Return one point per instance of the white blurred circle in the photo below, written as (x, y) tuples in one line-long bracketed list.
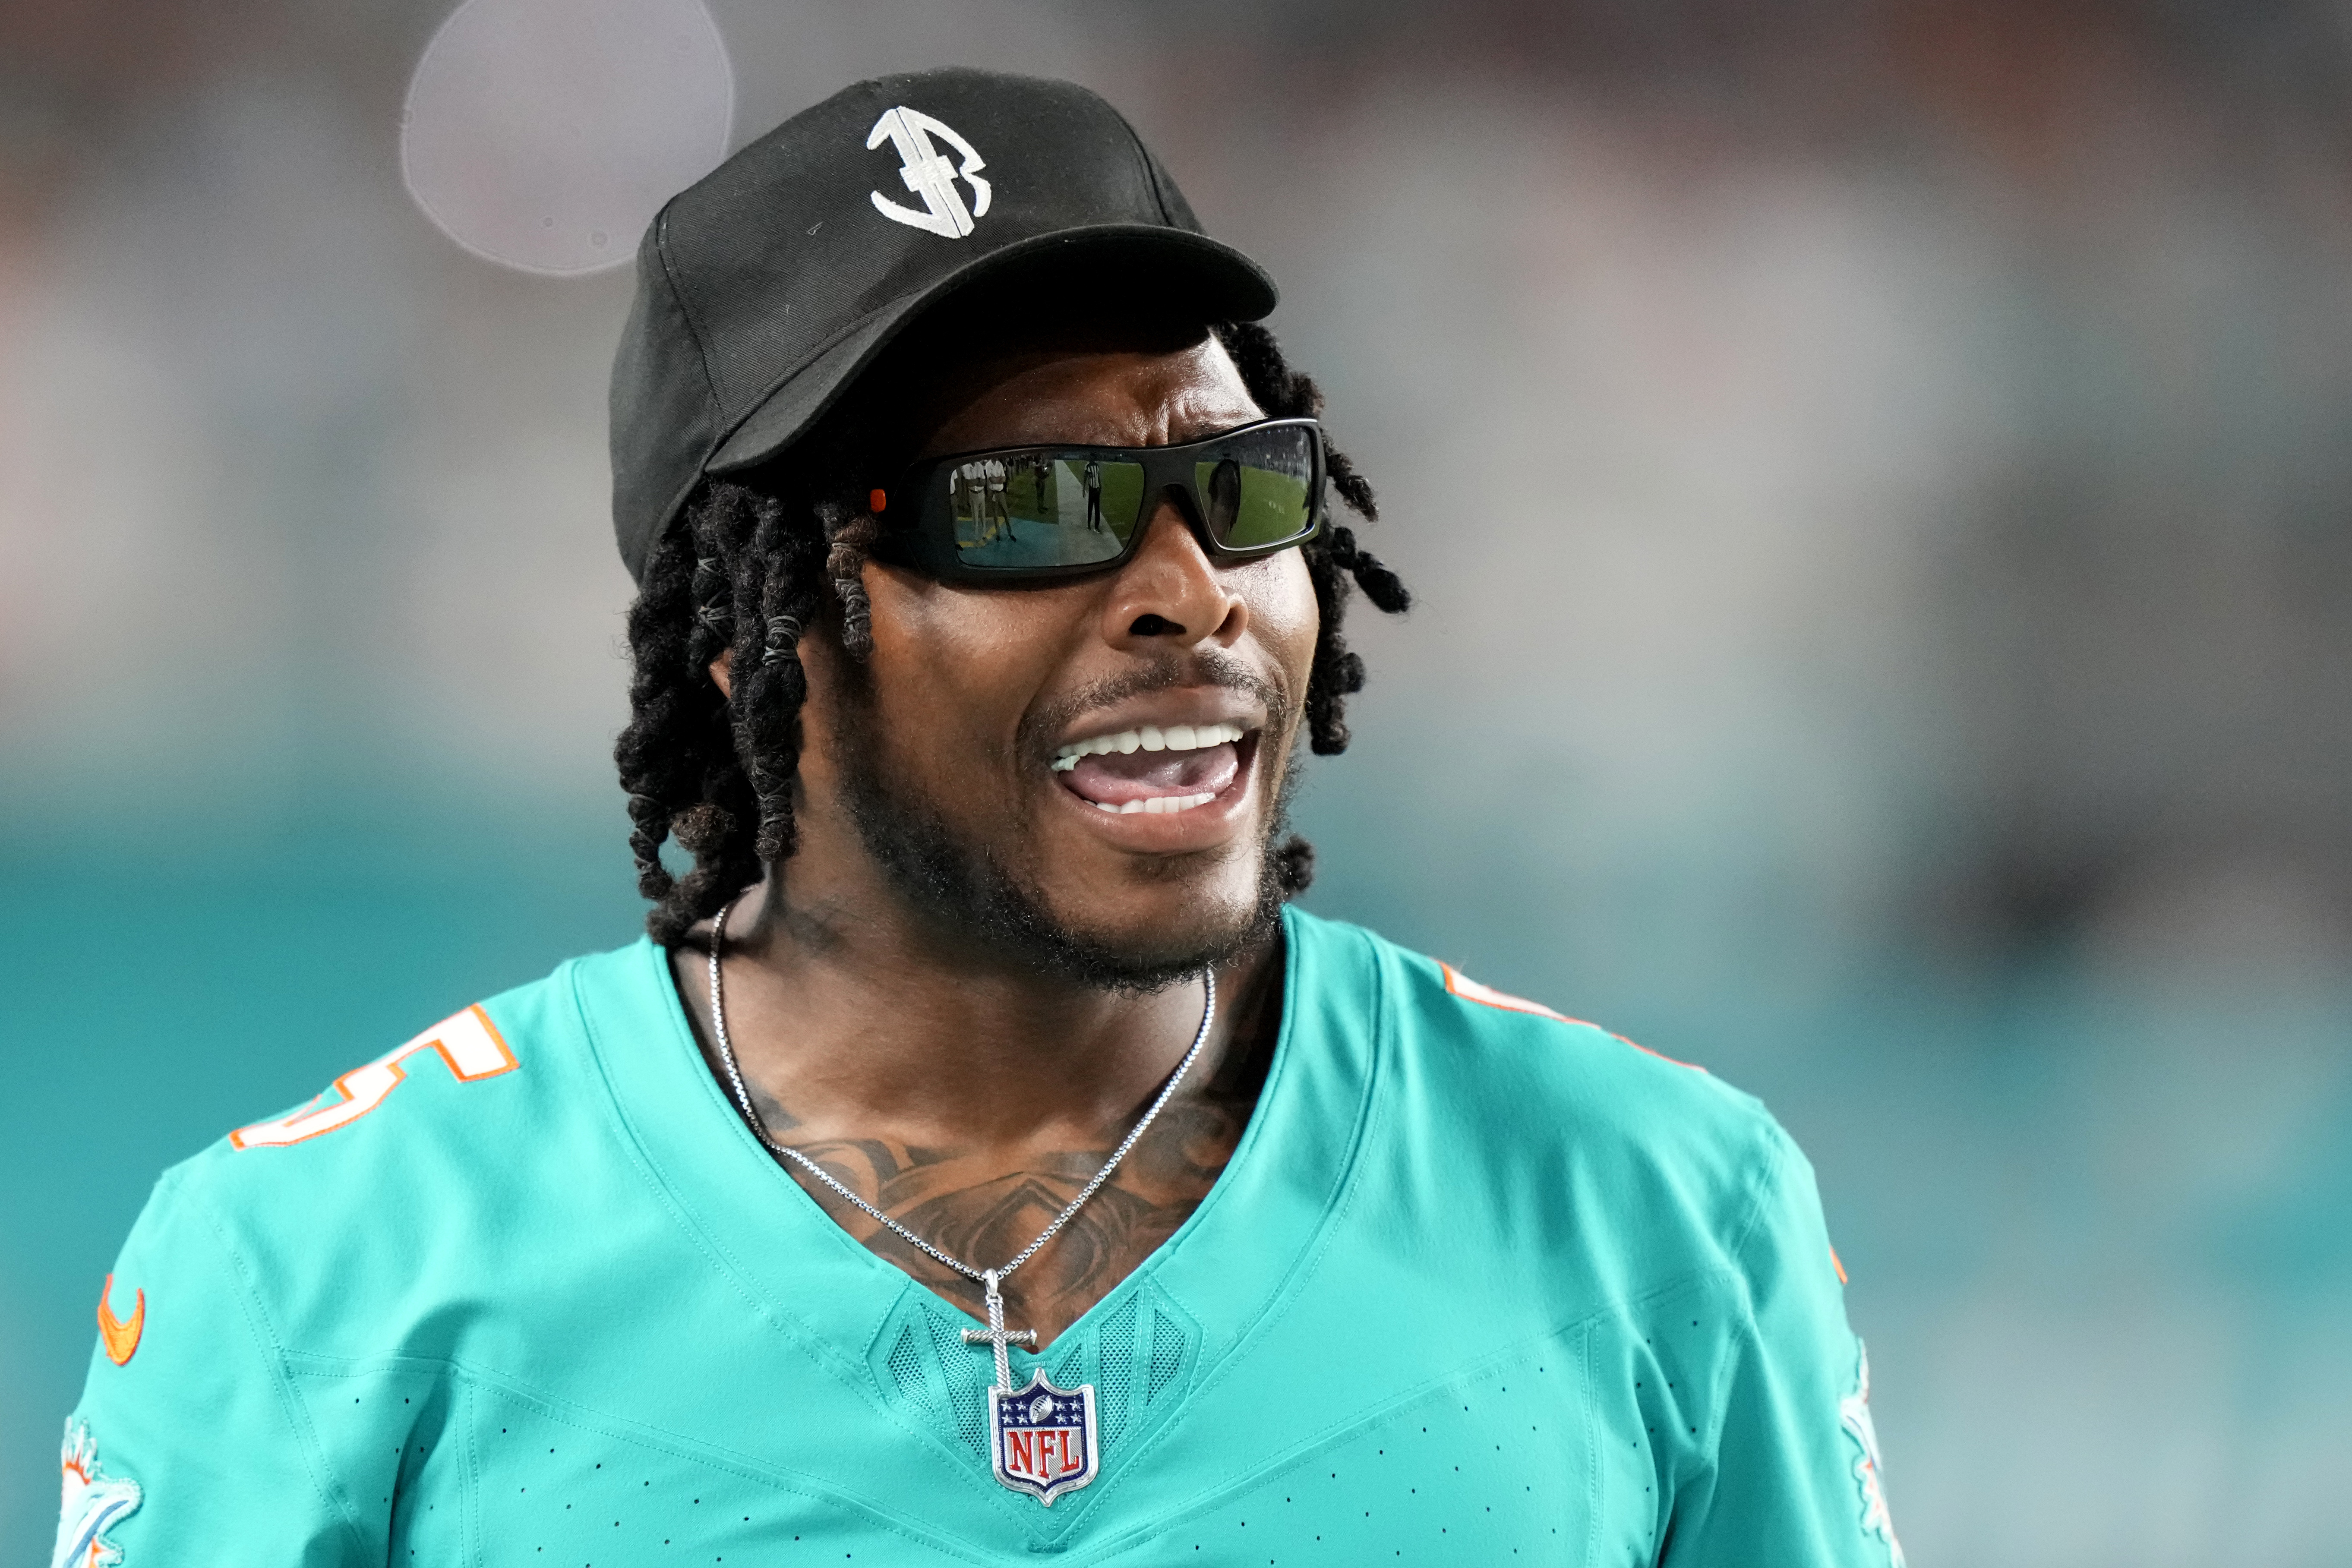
[(545, 134)]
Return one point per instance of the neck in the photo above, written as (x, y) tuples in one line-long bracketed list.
[(855, 1017)]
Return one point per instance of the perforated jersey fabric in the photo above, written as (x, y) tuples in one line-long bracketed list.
[(1480, 1285)]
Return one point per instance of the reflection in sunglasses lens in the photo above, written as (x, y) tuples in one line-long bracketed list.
[(1258, 491), (1029, 511), (1040, 510)]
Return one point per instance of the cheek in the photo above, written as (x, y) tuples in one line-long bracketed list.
[(954, 669), (1281, 598)]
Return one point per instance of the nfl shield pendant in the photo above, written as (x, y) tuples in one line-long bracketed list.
[(1042, 1438)]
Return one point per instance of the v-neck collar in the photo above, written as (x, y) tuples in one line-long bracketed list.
[(1226, 1271)]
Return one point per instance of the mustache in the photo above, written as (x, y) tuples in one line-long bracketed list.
[(1041, 732)]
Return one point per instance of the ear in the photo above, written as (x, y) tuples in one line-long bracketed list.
[(722, 673)]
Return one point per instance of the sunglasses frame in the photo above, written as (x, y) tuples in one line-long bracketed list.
[(921, 533)]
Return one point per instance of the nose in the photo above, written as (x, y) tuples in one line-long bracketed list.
[(1170, 591)]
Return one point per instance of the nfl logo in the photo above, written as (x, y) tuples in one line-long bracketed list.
[(1043, 1437)]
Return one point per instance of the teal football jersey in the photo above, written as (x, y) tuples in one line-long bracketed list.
[(1481, 1284)]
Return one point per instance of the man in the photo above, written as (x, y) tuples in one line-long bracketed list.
[(980, 1158)]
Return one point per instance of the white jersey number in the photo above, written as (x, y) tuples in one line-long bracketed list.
[(467, 1042)]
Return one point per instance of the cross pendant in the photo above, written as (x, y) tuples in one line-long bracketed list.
[(1041, 1438), (996, 1335)]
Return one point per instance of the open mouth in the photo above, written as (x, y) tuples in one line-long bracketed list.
[(1154, 770)]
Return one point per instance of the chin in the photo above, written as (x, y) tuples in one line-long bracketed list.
[(1158, 941), (1095, 912)]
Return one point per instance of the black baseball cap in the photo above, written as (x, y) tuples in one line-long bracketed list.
[(764, 289)]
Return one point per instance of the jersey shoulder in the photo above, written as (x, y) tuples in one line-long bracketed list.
[(1447, 1017), (430, 1139), (1536, 1088)]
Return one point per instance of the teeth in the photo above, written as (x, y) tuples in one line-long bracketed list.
[(1149, 738), (1156, 804)]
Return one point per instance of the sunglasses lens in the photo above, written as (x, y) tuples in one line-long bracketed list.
[(1258, 489), (1029, 511)]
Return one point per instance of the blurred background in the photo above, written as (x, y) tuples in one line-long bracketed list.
[(1876, 478)]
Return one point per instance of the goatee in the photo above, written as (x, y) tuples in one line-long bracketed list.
[(971, 891)]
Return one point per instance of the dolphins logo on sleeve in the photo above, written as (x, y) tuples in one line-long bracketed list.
[(93, 1503)]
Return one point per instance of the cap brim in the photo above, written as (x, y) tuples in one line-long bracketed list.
[(1177, 269)]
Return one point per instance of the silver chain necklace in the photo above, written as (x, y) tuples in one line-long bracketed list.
[(1042, 1437)]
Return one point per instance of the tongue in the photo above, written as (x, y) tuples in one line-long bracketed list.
[(1111, 778)]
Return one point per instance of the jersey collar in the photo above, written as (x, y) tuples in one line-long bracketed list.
[(1227, 1273)]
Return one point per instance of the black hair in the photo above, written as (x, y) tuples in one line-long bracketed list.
[(755, 565)]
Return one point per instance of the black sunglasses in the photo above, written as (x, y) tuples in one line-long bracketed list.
[(1052, 512)]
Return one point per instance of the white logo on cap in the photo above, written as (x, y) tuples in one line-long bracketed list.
[(930, 175)]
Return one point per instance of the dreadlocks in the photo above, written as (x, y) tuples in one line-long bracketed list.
[(752, 567)]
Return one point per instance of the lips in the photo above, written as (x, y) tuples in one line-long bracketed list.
[(1154, 769)]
